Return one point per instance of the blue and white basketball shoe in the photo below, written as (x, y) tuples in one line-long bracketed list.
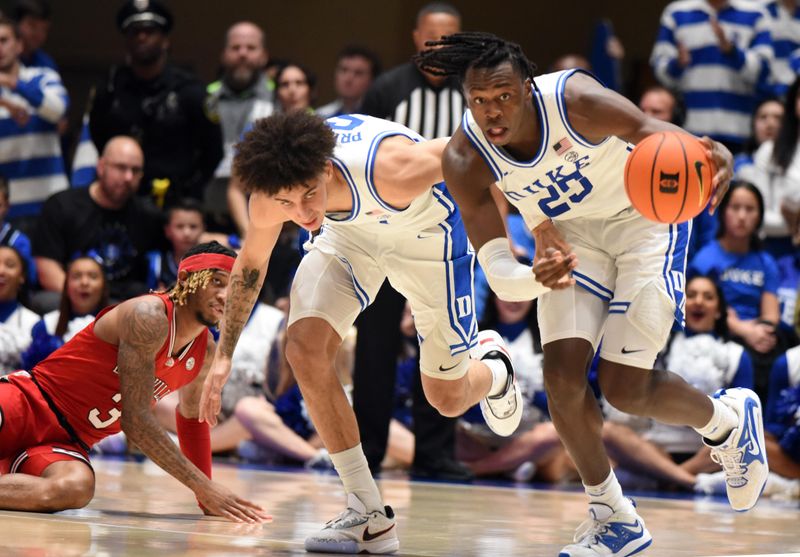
[(502, 412), (743, 455), (609, 534)]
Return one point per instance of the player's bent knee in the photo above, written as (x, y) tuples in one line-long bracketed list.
[(564, 388), (446, 396), (73, 492)]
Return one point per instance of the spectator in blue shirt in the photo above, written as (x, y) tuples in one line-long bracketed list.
[(747, 275), (782, 420), (10, 236)]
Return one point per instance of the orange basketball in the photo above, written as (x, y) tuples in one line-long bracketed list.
[(668, 177)]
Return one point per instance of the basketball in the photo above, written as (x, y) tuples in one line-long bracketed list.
[(668, 177)]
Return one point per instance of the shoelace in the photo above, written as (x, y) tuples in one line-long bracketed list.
[(589, 530), (731, 462), (346, 519)]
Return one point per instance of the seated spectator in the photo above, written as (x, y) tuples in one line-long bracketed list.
[(295, 88), (570, 61), (764, 127), (782, 420), (32, 102), (33, 23), (106, 217), (10, 236), (661, 103), (16, 321), (776, 172), (281, 427), (747, 275), (705, 357), (183, 229), (535, 447), (356, 68), (788, 282), (85, 294)]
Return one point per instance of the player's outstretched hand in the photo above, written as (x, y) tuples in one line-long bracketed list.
[(553, 269), (218, 500), (211, 397), (722, 159)]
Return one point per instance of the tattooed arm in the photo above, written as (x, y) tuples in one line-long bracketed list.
[(245, 283), (143, 328)]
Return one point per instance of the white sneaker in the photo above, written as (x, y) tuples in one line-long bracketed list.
[(502, 412), (743, 455), (608, 534), (357, 531)]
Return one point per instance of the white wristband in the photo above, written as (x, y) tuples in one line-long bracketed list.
[(511, 281)]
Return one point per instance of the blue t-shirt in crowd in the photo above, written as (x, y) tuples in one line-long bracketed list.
[(789, 272), (743, 277)]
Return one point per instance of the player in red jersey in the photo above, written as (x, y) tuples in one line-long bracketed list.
[(106, 379)]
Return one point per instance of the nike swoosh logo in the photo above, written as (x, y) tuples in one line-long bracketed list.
[(423, 236), (751, 431), (447, 368), (698, 166), (626, 351), (369, 536)]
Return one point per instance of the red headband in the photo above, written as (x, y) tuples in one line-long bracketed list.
[(203, 261)]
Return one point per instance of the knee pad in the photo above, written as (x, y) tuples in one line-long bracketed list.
[(652, 312)]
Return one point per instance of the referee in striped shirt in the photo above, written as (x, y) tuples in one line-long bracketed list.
[(432, 106)]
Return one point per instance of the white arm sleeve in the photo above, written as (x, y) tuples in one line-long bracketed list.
[(510, 280)]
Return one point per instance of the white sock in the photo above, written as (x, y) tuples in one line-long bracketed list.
[(609, 493), (499, 375), (722, 422), (352, 467)]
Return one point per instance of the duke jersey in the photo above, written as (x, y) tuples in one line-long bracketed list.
[(357, 140), (569, 177), (82, 378)]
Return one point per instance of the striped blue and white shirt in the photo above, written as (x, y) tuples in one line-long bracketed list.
[(785, 43), (719, 89), (30, 151)]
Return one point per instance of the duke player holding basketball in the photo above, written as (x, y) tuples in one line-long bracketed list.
[(106, 379), (375, 188), (556, 145)]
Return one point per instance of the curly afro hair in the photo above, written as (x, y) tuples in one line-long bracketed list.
[(283, 150)]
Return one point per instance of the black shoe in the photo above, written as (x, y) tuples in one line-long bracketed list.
[(446, 469)]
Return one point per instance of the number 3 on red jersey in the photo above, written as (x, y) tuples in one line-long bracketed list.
[(113, 415)]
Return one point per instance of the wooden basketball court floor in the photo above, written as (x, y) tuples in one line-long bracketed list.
[(138, 510)]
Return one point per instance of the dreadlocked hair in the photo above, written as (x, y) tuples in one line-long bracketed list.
[(453, 55), (180, 292)]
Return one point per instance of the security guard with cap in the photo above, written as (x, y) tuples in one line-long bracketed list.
[(162, 106)]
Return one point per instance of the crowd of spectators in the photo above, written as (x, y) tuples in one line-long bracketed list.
[(149, 177)]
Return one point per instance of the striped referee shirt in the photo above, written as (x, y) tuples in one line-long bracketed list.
[(403, 95)]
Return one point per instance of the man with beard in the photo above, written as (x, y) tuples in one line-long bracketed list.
[(240, 97), (106, 217), (106, 379), (162, 106)]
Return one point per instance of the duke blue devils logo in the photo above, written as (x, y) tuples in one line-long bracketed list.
[(668, 183)]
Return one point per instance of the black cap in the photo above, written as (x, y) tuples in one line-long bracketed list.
[(144, 12)]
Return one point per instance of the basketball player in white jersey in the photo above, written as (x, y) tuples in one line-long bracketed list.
[(375, 189), (556, 145)]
